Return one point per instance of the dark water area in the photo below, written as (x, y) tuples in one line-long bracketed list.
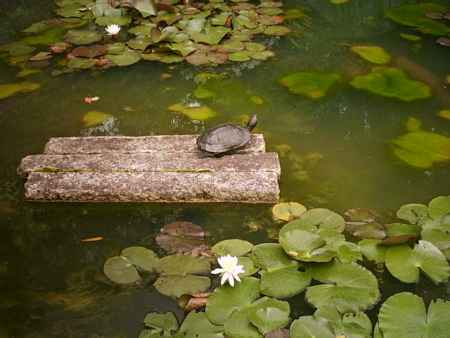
[(52, 284)]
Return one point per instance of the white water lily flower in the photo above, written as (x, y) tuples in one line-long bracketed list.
[(229, 269), (112, 29)]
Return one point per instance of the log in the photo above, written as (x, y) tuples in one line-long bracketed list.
[(142, 144), (149, 162), (163, 187)]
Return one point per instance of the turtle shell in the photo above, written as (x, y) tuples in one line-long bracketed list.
[(223, 138)]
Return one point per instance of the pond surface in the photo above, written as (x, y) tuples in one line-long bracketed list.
[(51, 283)]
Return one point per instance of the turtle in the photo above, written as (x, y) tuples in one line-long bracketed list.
[(226, 138)]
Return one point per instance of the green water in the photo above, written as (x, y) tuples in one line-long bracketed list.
[(51, 284)]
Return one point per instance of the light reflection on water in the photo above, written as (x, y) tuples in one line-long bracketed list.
[(40, 250)]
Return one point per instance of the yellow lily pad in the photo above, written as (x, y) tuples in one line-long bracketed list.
[(94, 118), (200, 113), (372, 54), (7, 90), (445, 114)]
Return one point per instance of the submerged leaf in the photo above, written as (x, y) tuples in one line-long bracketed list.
[(391, 82), (372, 54), (287, 211), (194, 113), (7, 90), (95, 118), (311, 84)]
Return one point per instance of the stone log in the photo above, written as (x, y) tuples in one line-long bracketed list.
[(142, 144), (149, 162), (163, 187)]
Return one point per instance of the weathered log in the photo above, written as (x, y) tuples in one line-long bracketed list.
[(148, 162), (142, 144), (247, 187)]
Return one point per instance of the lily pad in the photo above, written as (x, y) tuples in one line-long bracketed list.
[(127, 58), (177, 285), (81, 63), (233, 247), (349, 288), (212, 35), (17, 48), (183, 265), (95, 118), (439, 206), (113, 20), (271, 257), (238, 325), (227, 299), (310, 84), (249, 267), (196, 324), (391, 82), (165, 323), (269, 314), (181, 237), (121, 271), (142, 258), (397, 233), (200, 113), (293, 282), (444, 113), (287, 211), (422, 149), (83, 37), (277, 30), (372, 250), (414, 15), (90, 51), (311, 327), (414, 321), (7, 90), (372, 54), (404, 263)]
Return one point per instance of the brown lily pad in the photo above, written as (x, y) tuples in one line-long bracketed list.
[(206, 55), (182, 237), (60, 47), (443, 41), (41, 56), (90, 51)]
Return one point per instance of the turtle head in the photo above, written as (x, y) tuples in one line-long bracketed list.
[(251, 124)]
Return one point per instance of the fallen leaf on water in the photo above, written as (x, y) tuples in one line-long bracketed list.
[(93, 239)]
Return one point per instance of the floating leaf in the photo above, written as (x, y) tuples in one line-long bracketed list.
[(83, 37), (372, 54), (183, 265), (422, 149), (141, 257), (311, 327), (269, 314), (372, 250), (95, 118), (126, 58), (439, 206), (120, 270), (293, 282), (444, 113), (145, 7), (249, 266), (354, 288), (287, 211), (81, 63), (404, 263), (238, 325), (414, 15), (194, 113), (233, 247), (323, 218), (227, 299), (161, 322), (196, 324), (271, 257), (17, 48), (410, 37), (310, 84), (397, 233), (90, 51), (212, 35), (7, 90), (391, 82), (414, 322), (276, 30), (113, 20), (356, 325), (178, 285)]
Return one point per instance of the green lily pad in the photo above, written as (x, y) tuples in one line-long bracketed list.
[(239, 326), (116, 48), (161, 322), (81, 63), (372, 250), (293, 282), (249, 266), (7, 90), (372, 54), (162, 57), (422, 149), (410, 37), (444, 113), (145, 7), (142, 258), (269, 314), (233, 247), (227, 299), (276, 30), (120, 270), (439, 206), (404, 263), (323, 218), (414, 15), (17, 48), (391, 82), (240, 56), (129, 57), (184, 48), (28, 71), (365, 230), (212, 35), (49, 37), (397, 233), (201, 92), (95, 118), (178, 285), (413, 124), (311, 327), (183, 265), (287, 211), (140, 43), (271, 257), (113, 20), (196, 324), (414, 321), (83, 37), (310, 84), (194, 113), (351, 287)]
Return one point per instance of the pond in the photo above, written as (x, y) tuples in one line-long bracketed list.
[(340, 151)]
